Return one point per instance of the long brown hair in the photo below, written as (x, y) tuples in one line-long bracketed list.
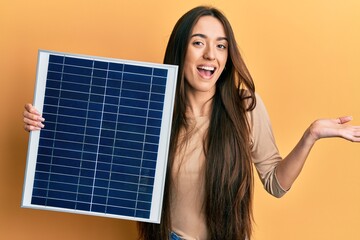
[(228, 167)]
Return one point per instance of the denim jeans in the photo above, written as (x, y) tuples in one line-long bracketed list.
[(174, 236)]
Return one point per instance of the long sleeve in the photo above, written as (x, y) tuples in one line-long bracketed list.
[(265, 153)]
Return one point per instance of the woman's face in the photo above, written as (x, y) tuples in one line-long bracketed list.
[(206, 55)]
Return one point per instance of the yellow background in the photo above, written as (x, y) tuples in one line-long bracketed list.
[(304, 57)]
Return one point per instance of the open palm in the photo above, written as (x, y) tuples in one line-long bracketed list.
[(325, 128)]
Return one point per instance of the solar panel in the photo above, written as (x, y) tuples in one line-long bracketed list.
[(104, 147)]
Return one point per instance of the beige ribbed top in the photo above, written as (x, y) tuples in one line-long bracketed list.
[(187, 216)]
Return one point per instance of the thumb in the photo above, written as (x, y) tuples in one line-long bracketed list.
[(344, 119)]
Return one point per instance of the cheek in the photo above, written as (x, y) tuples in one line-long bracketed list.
[(224, 59), (187, 70), (188, 66), (223, 63)]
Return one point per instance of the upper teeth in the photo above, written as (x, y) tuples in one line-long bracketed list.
[(207, 68)]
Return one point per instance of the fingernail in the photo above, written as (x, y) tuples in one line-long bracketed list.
[(40, 125), (41, 119)]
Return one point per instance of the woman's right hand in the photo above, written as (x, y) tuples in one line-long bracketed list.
[(32, 118)]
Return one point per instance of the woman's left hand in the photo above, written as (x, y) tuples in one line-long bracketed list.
[(288, 169), (326, 128)]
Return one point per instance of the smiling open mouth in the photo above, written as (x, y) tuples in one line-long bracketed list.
[(206, 70)]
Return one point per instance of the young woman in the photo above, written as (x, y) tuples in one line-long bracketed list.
[(220, 128)]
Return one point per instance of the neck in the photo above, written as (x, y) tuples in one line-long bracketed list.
[(199, 104)]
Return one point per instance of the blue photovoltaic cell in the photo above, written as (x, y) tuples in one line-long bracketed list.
[(99, 148)]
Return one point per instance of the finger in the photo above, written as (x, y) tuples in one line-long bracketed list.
[(32, 116), (31, 109), (352, 138), (35, 123), (344, 119), (28, 106), (30, 128), (352, 134)]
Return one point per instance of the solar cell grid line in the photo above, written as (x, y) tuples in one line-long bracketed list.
[(104, 148)]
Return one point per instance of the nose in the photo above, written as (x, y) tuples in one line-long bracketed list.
[(209, 53)]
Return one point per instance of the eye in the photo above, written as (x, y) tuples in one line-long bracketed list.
[(222, 46), (198, 43)]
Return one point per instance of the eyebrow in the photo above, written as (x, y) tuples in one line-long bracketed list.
[(204, 36)]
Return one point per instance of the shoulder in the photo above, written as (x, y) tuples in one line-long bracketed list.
[(253, 102), (258, 114)]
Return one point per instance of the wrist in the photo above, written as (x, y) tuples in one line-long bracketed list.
[(310, 136)]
